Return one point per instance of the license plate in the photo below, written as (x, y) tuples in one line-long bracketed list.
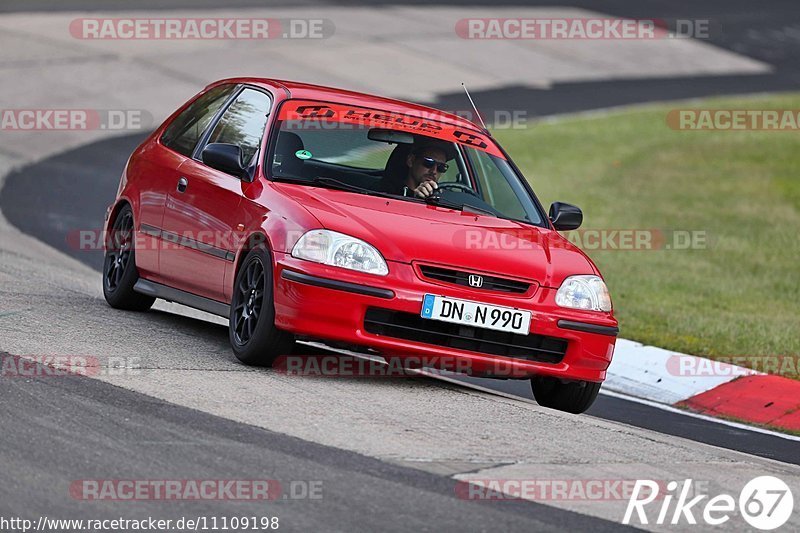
[(476, 314)]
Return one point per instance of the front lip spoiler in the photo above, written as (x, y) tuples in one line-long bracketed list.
[(611, 331), (327, 283)]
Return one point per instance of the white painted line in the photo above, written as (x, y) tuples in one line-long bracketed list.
[(722, 421), (441, 375), (431, 374)]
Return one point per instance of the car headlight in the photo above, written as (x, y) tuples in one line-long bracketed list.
[(337, 249), (584, 292)]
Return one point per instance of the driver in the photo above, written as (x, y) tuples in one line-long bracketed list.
[(425, 164)]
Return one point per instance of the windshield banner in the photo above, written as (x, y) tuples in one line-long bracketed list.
[(306, 110)]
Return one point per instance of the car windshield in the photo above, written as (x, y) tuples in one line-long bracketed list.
[(369, 157)]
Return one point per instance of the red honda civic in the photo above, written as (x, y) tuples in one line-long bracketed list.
[(306, 212)]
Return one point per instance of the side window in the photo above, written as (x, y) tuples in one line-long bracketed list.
[(500, 188), (243, 123), (187, 128)]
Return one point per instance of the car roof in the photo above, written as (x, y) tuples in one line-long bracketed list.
[(308, 91)]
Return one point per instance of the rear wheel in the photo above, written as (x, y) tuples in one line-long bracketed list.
[(253, 335), (572, 397), (119, 266)]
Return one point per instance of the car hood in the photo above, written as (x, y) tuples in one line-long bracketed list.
[(414, 232)]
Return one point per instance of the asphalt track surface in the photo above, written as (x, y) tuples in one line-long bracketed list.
[(82, 182), (138, 436), (768, 31)]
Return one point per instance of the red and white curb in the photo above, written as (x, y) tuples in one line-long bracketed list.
[(704, 386)]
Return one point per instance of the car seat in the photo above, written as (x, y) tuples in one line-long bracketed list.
[(285, 162), (396, 170)]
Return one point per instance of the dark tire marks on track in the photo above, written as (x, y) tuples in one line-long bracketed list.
[(57, 430)]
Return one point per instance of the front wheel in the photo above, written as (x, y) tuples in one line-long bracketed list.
[(572, 397), (253, 335)]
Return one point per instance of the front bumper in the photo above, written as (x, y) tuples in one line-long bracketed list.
[(331, 304)]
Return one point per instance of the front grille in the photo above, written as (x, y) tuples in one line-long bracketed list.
[(413, 327), (489, 283)]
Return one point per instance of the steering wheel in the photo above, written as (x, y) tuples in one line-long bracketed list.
[(458, 187)]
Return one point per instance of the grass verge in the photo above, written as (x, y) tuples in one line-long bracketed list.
[(739, 295)]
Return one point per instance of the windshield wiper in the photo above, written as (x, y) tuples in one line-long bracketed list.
[(336, 184), (322, 180), (333, 183), (469, 208)]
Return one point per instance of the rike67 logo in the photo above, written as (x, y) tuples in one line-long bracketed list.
[(765, 503)]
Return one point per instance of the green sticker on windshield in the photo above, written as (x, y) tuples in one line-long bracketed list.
[(303, 154)]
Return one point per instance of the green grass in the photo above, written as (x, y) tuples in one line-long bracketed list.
[(741, 295)]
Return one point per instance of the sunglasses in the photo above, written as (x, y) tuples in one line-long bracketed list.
[(429, 162)]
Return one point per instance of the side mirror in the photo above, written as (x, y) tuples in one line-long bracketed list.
[(225, 157), (565, 216)]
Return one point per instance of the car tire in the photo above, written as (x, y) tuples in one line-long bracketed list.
[(119, 266), (253, 335), (572, 397)]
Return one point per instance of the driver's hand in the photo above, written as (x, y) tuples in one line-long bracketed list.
[(425, 189)]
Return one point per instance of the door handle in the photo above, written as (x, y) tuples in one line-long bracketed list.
[(182, 184)]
